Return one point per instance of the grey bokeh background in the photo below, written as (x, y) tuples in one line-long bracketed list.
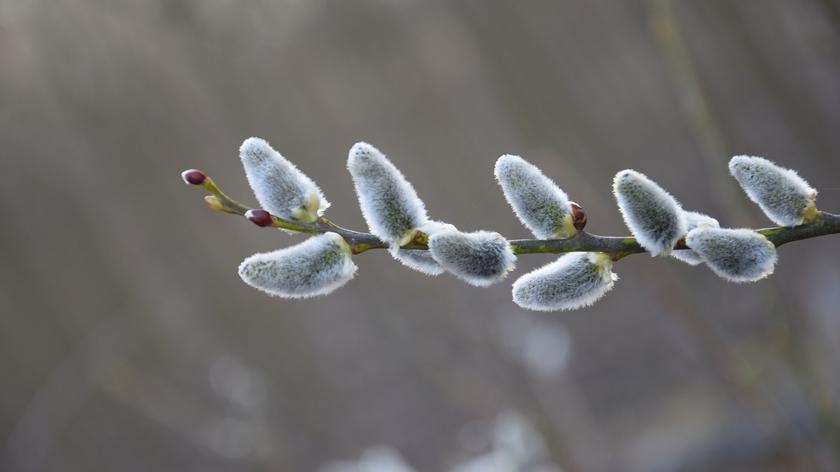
[(127, 341)]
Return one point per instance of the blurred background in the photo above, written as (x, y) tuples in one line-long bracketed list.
[(128, 342)]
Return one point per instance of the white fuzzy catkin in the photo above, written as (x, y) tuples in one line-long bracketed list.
[(695, 220), (280, 187), (573, 281), (538, 202), (388, 201), (784, 196), (418, 259), (737, 255), (653, 216), (480, 258), (316, 266)]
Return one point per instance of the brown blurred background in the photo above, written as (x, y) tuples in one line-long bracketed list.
[(128, 342)]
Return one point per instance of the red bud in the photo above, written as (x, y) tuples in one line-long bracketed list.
[(578, 216), (259, 217), (193, 176)]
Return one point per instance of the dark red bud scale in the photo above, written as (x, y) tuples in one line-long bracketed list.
[(578, 216), (193, 176), (259, 217)]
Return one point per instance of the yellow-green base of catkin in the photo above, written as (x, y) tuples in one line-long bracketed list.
[(810, 214), (567, 229), (308, 213)]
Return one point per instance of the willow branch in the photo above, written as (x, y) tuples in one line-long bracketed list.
[(616, 246)]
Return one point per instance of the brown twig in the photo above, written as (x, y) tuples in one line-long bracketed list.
[(616, 246)]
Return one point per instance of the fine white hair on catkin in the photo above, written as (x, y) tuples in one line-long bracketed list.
[(737, 255), (784, 196), (573, 281), (418, 259), (654, 217), (389, 203), (480, 258), (695, 220), (314, 267), (537, 201), (280, 187)]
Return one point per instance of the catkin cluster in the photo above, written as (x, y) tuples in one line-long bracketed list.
[(396, 215)]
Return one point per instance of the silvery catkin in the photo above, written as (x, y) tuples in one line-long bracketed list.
[(573, 281), (695, 220), (317, 266), (537, 201), (280, 187), (737, 255), (654, 217), (389, 203), (480, 258), (784, 196)]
